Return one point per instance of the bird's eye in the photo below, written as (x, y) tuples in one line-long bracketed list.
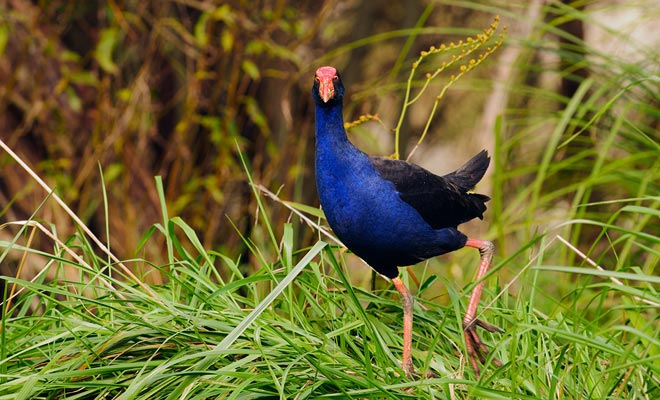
[(335, 78), (316, 79)]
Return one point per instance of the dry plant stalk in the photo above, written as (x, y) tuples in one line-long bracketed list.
[(79, 222), (471, 53), (467, 60)]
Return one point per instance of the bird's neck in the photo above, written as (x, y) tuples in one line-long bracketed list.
[(330, 131)]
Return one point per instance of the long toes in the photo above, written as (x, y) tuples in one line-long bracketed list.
[(488, 327), (475, 366), (476, 347), (477, 350), (473, 350)]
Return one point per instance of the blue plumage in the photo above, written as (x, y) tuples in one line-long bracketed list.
[(392, 213), (363, 198)]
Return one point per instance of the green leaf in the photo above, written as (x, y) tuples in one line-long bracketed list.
[(256, 115), (601, 273), (226, 40), (251, 69), (4, 37), (74, 101), (641, 210), (103, 53), (200, 34), (315, 211)]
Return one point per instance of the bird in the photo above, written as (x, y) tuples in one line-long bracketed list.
[(392, 213)]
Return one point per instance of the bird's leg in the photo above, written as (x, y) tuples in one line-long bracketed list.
[(475, 347), (407, 302)]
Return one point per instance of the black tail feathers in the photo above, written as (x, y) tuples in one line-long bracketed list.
[(467, 176)]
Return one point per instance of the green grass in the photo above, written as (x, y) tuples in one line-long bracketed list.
[(298, 329)]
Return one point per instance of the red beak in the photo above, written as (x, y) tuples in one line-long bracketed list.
[(325, 77)]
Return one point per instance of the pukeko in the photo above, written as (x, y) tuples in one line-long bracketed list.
[(392, 213)]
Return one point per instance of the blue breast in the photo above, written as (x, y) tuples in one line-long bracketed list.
[(365, 211)]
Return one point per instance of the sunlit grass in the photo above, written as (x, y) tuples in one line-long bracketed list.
[(313, 335)]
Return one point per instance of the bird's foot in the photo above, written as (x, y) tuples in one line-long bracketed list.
[(477, 350)]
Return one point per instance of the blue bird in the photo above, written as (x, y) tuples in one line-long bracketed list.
[(392, 213)]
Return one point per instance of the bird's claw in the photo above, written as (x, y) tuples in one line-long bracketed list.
[(476, 348)]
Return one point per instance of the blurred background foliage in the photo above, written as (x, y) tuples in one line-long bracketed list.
[(177, 88)]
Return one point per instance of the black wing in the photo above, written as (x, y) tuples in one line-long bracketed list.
[(443, 201)]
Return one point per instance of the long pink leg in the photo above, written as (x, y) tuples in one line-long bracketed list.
[(407, 302), (475, 346)]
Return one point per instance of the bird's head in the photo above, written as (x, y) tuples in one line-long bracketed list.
[(328, 89)]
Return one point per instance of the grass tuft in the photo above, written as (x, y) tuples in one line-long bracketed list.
[(297, 328)]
